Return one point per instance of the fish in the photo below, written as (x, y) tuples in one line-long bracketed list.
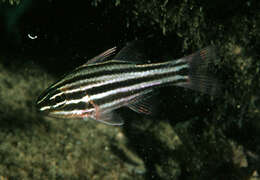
[(108, 82)]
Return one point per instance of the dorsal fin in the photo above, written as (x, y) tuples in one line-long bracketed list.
[(133, 52), (101, 57)]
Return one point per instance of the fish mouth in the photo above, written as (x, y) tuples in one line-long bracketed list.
[(40, 99)]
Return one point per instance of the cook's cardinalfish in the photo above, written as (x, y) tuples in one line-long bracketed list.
[(98, 87)]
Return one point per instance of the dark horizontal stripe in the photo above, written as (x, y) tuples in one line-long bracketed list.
[(108, 70), (123, 99), (115, 85), (115, 96), (43, 99), (183, 71), (77, 106), (75, 95), (87, 72), (121, 95)]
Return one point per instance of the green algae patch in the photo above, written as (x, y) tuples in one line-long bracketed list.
[(37, 147)]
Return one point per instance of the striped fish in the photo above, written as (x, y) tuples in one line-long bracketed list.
[(98, 87)]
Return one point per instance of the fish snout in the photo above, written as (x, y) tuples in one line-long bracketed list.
[(50, 100)]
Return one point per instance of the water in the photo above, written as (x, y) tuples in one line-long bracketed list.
[(194, 136)]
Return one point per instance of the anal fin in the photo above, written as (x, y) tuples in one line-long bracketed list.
[(110, 118)]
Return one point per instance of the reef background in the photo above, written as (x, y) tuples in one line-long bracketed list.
[(195, 136)]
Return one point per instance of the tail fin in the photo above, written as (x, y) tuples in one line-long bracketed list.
[(199, 80)]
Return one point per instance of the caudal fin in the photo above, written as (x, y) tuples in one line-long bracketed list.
[(199, 76)]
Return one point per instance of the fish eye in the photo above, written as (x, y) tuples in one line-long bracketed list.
[(60, 98)]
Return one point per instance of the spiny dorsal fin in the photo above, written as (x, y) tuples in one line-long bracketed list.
[(101, 57)]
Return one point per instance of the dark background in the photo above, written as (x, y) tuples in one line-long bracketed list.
[(69, 33)]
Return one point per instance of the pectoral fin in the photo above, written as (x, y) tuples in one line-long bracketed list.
[(145, 104)]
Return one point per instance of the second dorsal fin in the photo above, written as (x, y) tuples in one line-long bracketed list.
[(133, 52)]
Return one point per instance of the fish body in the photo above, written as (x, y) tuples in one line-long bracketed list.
[(95, 89)]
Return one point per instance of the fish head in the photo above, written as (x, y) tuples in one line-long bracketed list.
[(55, 102), (51, 100)]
